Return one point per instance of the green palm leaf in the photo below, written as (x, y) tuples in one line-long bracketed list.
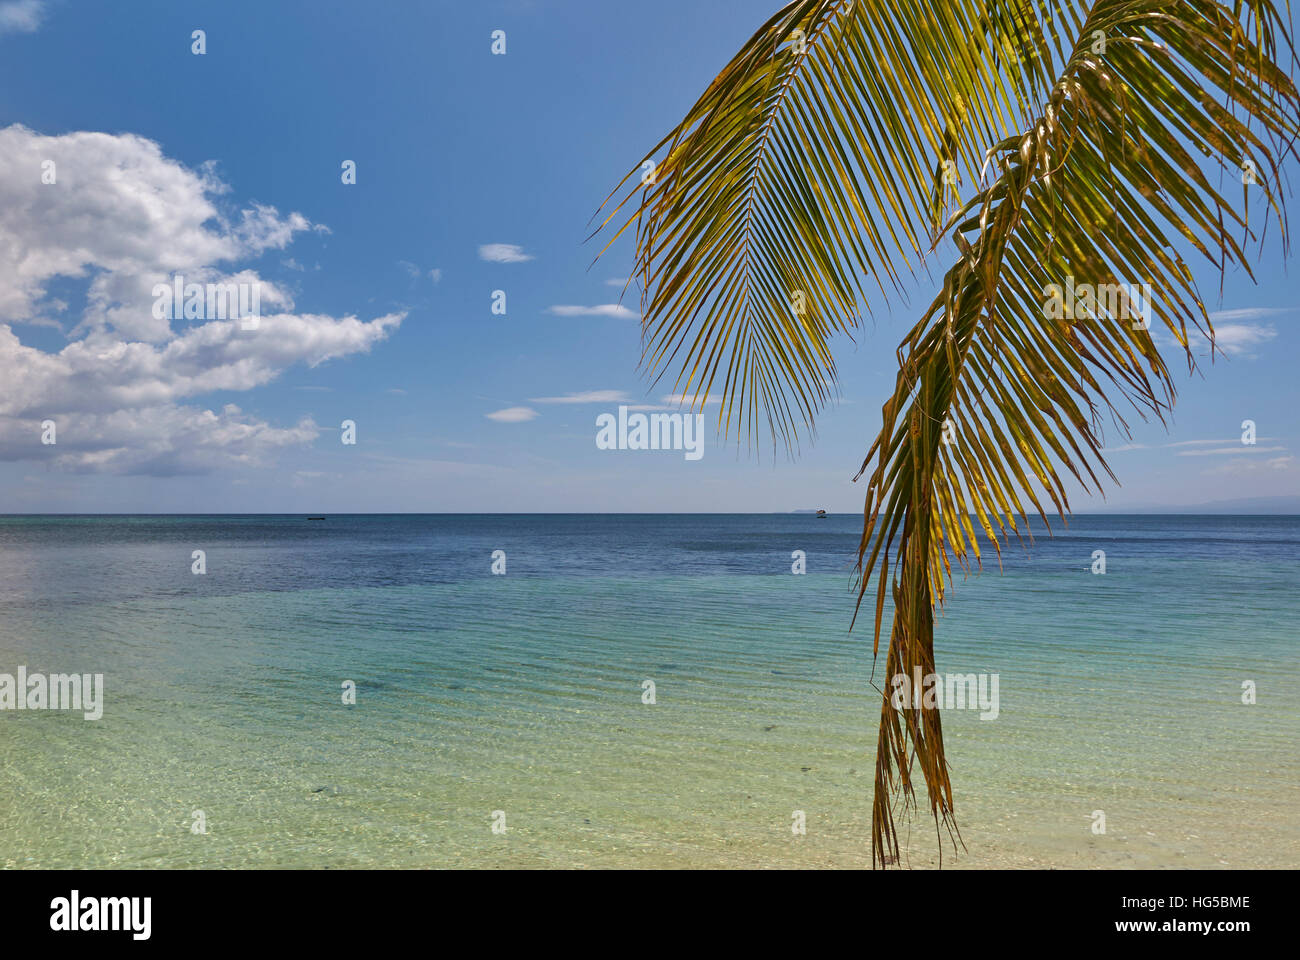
[(1099, 140)]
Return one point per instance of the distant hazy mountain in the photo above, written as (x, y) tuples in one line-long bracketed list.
[(1244, 505), (1249, 505)]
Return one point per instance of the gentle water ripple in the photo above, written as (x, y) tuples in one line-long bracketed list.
[(523, 693)]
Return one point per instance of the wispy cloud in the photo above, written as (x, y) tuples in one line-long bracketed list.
[(503, 253), (616, 310), (43, 322), (415, 271), (1238, 450), (1224, 446), (1210, 443), (1251, 466), (1240, 339), (1247, 313), (21, 16), (688, 399), (512, 415), (417, 466), (1236, 332), (587, 396)]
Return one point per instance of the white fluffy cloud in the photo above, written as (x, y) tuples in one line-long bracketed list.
[(120, 213), (162, 440), (126, 218), (98, 374)]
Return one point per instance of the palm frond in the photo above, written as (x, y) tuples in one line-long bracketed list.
[(1101, 141), (808, 168), (1099, 189)]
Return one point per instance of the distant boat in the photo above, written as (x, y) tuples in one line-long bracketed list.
[(821, 514), (315, 518)]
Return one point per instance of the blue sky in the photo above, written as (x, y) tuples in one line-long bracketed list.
[(230, 162)]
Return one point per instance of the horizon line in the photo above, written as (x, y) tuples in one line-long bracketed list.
[(619, 513)]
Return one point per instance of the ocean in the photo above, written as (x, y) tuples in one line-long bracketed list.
[(634, 691)]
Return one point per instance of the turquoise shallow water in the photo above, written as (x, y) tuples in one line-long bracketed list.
[(523, 694)]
